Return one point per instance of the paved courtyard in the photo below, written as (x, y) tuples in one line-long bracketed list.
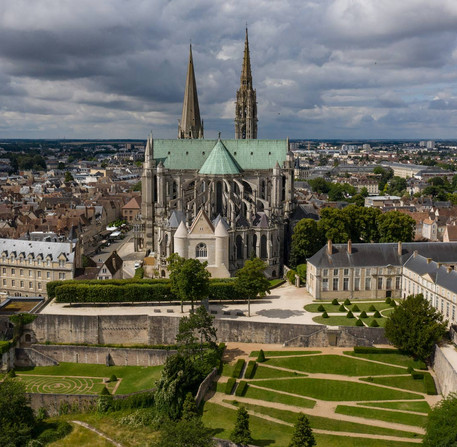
[(285, 304)]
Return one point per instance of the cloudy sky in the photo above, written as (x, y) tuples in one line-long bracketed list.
[(322, 69)]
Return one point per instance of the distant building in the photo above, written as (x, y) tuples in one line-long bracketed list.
[(27, 266), (111, 268), (382, 201), (131, 209)]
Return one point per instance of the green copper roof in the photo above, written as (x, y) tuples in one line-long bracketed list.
[(246, 154), (219, 162)]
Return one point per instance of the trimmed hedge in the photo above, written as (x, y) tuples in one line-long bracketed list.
[(250, 369), (417, 376), (359, 323), (241, 389), (349, 315), (374, 323), (342, 308), (229, 385), (372, 308), (430, 387), (238, 368), (347, 302), (377, 314), (363, 314), (335, 302), (355, 308), (140, 290), (321, 308), (371, 350)]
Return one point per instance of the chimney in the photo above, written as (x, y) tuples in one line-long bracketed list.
[(449, 268), (415, 252), (329, 247), (429, 260), (399, 247), (349, 247)]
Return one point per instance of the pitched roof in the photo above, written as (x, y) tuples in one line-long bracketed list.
[(219, 162), (132, 204), (382, 254), (192, 154)]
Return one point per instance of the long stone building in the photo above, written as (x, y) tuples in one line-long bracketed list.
[(220, 200)]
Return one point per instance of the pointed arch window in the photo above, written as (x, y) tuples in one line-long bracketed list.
[(201, 251)]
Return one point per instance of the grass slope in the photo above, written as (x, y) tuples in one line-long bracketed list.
[(272, 396), (420, 407), (403, 382), (334, 390), (263, 372), (283, 353), (394, 359), (383, 415), (135, 378), (327, 423), (335, 364)]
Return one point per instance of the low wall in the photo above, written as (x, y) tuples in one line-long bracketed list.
[(56, 404), (105, 355), (225, 443), (153, 330), (32, 357), (445, 367), (7, 360), (205, 386)]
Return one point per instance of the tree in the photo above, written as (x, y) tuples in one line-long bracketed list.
[(189, 408), (394, 226), (68, 177), (189, 278), (306, 240), (303, 435), (241, 433), (196, 331), (319, 185), (415, 327), (251, 280), (16, 417), (185, 433), (396, 186), (441, 429), (334, 225)]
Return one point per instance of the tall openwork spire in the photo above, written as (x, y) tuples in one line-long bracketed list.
[(246, 104), (190, 126)]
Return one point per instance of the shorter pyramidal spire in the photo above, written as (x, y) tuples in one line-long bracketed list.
[(190, 126)]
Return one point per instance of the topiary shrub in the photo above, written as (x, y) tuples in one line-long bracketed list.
[(388, 300), (105, 392), (261, 357), (229, 385), (11, 373), (113, 378), (393, 303), (325, 315), (347, 302), (241, 389), (374, 323), (335, 302), (355, 308), (372, 308), (359, 323), (239, 365), (321, 308), (342, 308), (410, 369), (349, 315), (363, 314), (250, 369), (377, 314), (417, 376), (369, 379)]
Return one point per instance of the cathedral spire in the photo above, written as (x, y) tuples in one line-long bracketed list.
[(190, 125), (246, 103)]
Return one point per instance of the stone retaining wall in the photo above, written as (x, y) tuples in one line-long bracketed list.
[(161, 329), (205, 386), (445, 367)]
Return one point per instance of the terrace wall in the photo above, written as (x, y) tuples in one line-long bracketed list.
[(153, 330), (445, 367)]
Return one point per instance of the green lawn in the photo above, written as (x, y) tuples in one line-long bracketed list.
[(263, 372), (383, 415), (283, 353), (334, 390), (326, 423), (272, 396), (395, 359), (134, 378), (227, 369), (420, 407), (364, 306), (381, 321), (276, 282), (404, 383), (81, 436), (327, 306), (270, 434), (336, 321), (335, 364)]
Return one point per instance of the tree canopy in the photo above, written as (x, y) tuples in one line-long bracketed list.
[(241, 433), (251, 280), (394, 226), (189, 278), (16, 417), (307, 239), (415, 327), (441, 428), (303, 434)]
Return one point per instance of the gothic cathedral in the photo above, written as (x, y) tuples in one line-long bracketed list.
[(219, 201)]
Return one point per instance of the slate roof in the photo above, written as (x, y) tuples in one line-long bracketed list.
[(176, 218), (374, 255), (54, 249), (192, 153), (440, 275), (220, 162)]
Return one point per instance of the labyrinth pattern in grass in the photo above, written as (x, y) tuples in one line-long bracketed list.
[(62, 385)]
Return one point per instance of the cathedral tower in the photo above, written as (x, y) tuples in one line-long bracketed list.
[(246, 104), (190, 126)]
